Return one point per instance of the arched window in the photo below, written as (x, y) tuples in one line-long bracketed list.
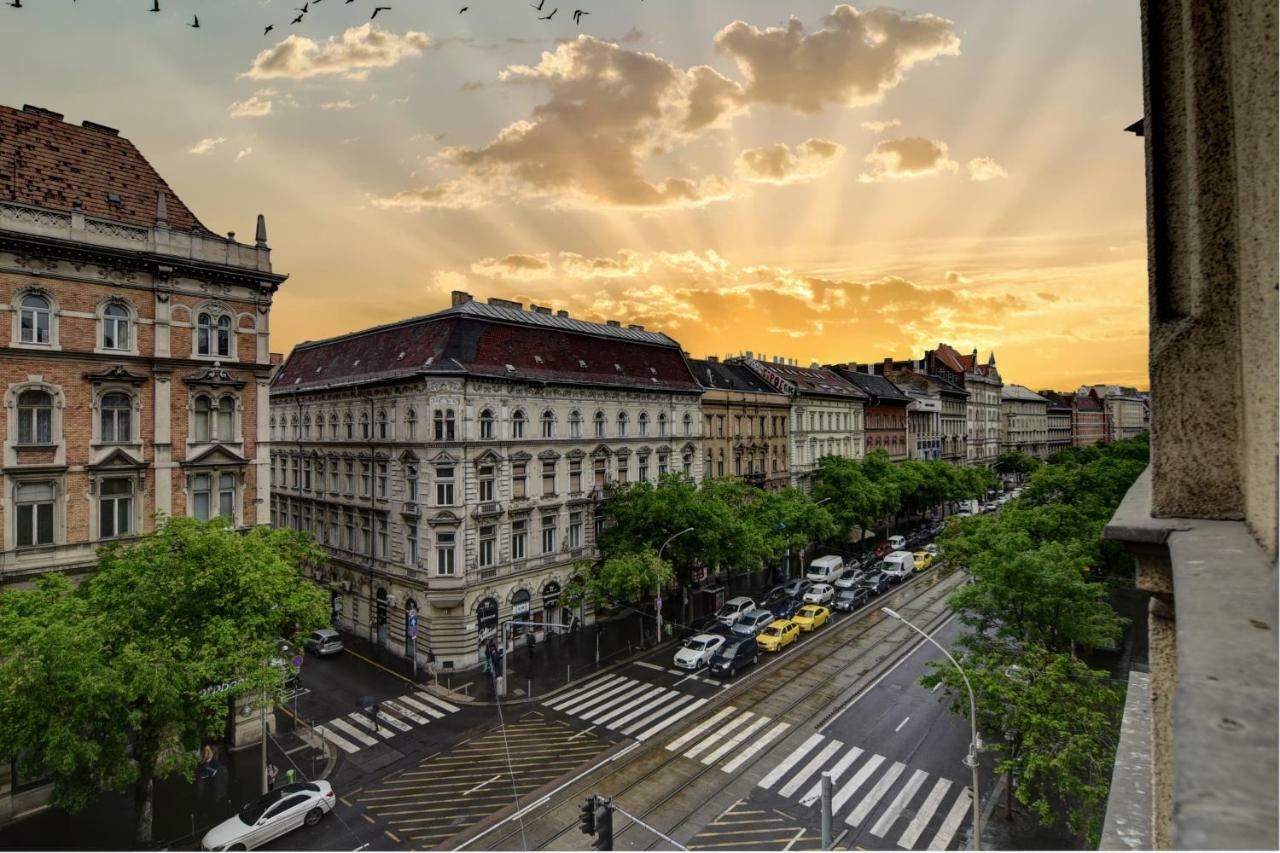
[(622, 424), (364, 425), (444, 424), (575, 424), (599, 423), (517, 424), (224, 335), (486, 424), (643, 424), (116, 418), (688, 424), (350, 428), (662, 424), (333, 425), (382, 425), (487, 614), (204, 323), (272, 433), (548, 424), (35, 417), (36, 320), (411, 423), (115, 327), (296, 431), (213, 335), (306, 426)]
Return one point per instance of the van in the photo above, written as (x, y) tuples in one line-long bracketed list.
[(825, 569), (899, 565), (897, 543)]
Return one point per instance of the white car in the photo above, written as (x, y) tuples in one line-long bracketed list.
[(733, 608), (932, 549), (697, 651), (820, 593), (273, 814), (897, 543)]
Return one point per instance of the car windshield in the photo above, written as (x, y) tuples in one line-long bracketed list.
[(773, 631), (251, 813), (728, 650), (697, 645)]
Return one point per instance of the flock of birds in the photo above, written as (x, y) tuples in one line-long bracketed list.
[(306, 7)]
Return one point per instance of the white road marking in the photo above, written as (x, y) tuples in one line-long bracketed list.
[(644, 721), (875, 795), (630, 705), (405, 712), (809, 769), (959, 809), (394, 722), (735, 741), (671, 699), (814, 793), (851, 787), (714, 736), (438, 702), (583, 732), (935, 687), (689, 709), (901, 724), (596, 706), (700, 728), (580, 705), (891, 814), (791, 760), (924, 814), (746, 754), (582, 690), (648, 665), (341, 743), (493, 778), (351, 731), (792, 842), (381, 731), (424, 708)]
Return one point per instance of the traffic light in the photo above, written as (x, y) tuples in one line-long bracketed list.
[(587, 822), (603, 819)]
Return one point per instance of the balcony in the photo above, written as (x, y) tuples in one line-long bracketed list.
[(487, 509), (447, 590)]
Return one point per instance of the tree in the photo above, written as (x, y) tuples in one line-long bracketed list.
[(1015, 462), (128, 655), (625, 578)]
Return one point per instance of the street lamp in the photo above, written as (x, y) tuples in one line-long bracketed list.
[(970, 760), (658, 595)]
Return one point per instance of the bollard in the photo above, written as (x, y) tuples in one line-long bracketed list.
[(826, 810), (568, 673)]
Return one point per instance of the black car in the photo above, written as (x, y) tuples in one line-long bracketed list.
[(876, 582), (708, 624), (851, 599), (733, 656)]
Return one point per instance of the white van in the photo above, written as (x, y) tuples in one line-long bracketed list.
[(899, 565), (825, 569), (897, 543)]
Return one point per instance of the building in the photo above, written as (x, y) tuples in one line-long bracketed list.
[(1026, 421), (1059, 414), (913, 378), (745, 424), (924, 422), (1197, 762), (1127, 411), (453, 464), (1088, 419), (827, 413), (984, 422), (886, 410)]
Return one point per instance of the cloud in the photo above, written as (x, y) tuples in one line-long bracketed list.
[(985, 169), (851, 61), (1049, 297), (514, 267), (907, 157), (252, 107), (625, 264), (779, 164), (881, 126), (338, 105), (204, 146), (954, 277), (243, 153), (359, 50)]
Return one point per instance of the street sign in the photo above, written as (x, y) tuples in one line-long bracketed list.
[(411, 623), (297, 661)]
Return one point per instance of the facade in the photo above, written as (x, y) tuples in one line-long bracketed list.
[(913, 378), (1059, 415), (827, 414), (924, 422), (1127, 411), (453, 464), (1088, 419), (1026, 421), (886, 410), (745, 424)]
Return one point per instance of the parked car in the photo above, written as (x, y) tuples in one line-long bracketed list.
[(851, 599), (273, 814), (899, 565), (751, 623), (811, 617), (325, 641), (733, 608), (785, 608), (923, 560), (876, 582), (848, 579), (733, 656), (825, 569), (821, 593), (932, 549), (777, 635), (897, 543), (697, 652), (797, 588)]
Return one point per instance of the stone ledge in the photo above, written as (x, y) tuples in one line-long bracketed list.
[(1128, 822)]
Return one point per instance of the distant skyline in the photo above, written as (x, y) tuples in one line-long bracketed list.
[(810, 180)]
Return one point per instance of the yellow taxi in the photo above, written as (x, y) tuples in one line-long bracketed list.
[(923, 560), (811, 616), (777, 635)]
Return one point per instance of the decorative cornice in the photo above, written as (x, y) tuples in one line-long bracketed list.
[(116, 373), (215, 376)]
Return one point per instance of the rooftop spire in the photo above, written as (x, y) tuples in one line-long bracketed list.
[(260, 237), (162, 210)]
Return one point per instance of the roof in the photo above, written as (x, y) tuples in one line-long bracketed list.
[(484, 340), (955, 361), (1021, 393), (728, 376), (46, 162), (943, 385), (818, 381), (875, 385), (1088, 403), (1056, 400)]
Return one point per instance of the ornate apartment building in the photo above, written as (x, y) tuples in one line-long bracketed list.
[(827, 414), (985, 426), (886, 410), (453, 464), (1059, 415), (135, 350), (746, 424), (1127, 411), (914, 379), (1088, 419), (1026, 421)]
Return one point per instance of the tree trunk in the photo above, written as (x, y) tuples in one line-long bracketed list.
[(1008, 796), (144, 801)]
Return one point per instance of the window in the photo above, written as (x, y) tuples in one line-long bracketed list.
[(642, 469), (601, 473), (350, 426), (115, 507), (599, 422), (411, 423), (224, 335), (382, 479), (622, 469), (622, 424), (200, 494), (575, 476), (517, 425), (720, 464), (213, 337), (575, 530), (306, 474), (662, 424), (366, 478), (351, 531), (444, 552), (486, 424), (383, 430), (411, 483), (35, 320), (411, 544), (688, 424), (227, 495), (488, 538), (519, 538), (34, 514), (662, 465), (364, 425), (349, 478), (380, 537), (548, 478), (688, 463), (575, 424), (115, 327), (548, 424), (306, 426), (444, 423), (518, 477), (444, 486), (643, 424), (333, 425), (548, 534), (720, 426), (35, 417), (486, 479), (215, 422), (295, 466)]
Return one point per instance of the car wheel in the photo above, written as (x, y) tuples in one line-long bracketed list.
[(313, 817), (733, 671), (756, 659)]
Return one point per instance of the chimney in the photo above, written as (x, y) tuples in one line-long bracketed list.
[(813, 365), (41, 111), (713, 359), (535, 308), (260, 234), (614, 323), (887, 368), (162, 210), (748, 354), (561, 313), (505, 303), (459, 297), (100, 128), (635, 327)]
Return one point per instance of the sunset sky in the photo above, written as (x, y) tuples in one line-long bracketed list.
[(800, 179)]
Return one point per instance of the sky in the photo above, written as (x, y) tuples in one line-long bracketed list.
[(811, 180)]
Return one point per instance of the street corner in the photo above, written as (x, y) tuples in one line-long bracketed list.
[(751, 824)]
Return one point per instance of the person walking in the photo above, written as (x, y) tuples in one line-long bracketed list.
[(530, 643), (273, 773)]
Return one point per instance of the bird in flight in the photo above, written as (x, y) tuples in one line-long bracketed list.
[(463, 9), (195, 22), (17, 4), (269, 28), (377, 9), (577, 16), (303, 10), (541, 3), (297, 20), (548, 17)]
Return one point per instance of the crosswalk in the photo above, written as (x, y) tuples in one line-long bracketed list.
[(633, 708), (359, 729)]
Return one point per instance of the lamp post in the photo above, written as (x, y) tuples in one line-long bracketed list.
[(971, 760), (658, 596)]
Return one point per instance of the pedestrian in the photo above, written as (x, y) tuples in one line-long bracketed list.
[(290, 776), (530, 643), (374, 711), (272, 773)]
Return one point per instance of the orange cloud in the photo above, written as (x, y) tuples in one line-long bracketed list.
[(358, 51), (779, 164), (908, 157)]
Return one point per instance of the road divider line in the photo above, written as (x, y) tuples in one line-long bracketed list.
[(495, 777), (901, 724)]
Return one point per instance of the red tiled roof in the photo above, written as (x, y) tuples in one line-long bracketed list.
[(808, 380), (49, 163), (954, 360)]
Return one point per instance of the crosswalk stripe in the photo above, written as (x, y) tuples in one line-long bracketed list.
[(813, 794), (577, 706), (340, 742), (924, 814), (809, 769), (700, 728), (722, 731), (630, 705), (679, 715), (582, 692), (735, 741), (381, 731), (875, 795), (599, 706), (851, 787), (351, 731), (405, 712), (394, 722), (952, 821), (438, 702), (760, 744), (424, 708), (672, 698), (791, 760), (891, 814)]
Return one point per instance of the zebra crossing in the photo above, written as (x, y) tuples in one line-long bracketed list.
[(359, 729), (631, 707)]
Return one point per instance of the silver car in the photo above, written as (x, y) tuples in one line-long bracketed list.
[(325, 641)]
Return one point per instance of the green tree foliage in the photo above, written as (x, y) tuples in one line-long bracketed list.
[(130, 652), (1016, 462), (627, 577)]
